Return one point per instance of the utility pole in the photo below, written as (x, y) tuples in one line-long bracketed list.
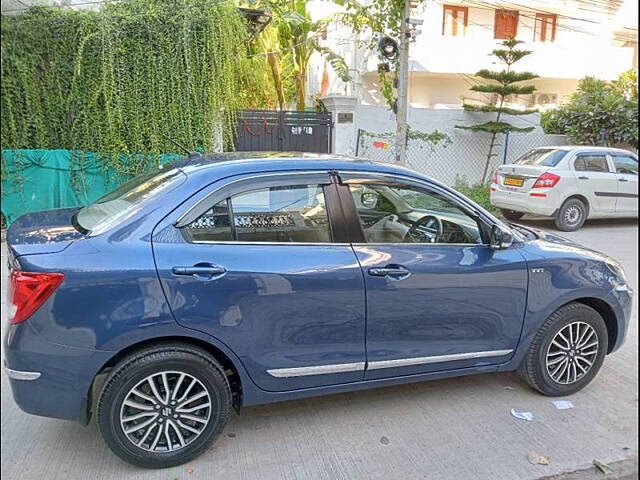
[(403, 87)]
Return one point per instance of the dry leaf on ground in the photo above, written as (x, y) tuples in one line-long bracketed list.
[(536, 459)]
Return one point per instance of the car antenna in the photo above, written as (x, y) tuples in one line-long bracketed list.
[(190, 153)]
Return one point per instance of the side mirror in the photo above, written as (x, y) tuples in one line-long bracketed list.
[(501, 238), (369, 199)]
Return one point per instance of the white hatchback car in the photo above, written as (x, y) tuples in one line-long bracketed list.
[(570, 184)]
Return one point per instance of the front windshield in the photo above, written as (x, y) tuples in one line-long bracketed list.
[(124, 201), (546, 157)]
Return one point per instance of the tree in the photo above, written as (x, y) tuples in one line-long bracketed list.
[(627, 84), (288, 43), (598, 108), (504, 84)]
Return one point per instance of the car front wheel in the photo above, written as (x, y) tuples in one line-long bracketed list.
[(567, 352), (164, 405)]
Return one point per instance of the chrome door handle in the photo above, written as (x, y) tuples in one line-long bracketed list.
[(389, 272), (583, 178), (199, 270)]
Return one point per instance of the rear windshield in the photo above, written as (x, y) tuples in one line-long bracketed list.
[(547, 157), (126, 200)]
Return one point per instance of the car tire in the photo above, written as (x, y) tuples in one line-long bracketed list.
[(159, 385), (511, 214), (571, 215), (543, 364)]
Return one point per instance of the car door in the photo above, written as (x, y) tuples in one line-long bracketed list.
[(596, 180), (626, 166), (434, 301), (259, 264)]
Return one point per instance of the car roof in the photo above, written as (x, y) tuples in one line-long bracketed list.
[(198, 159), (250, 162), (585, 148)]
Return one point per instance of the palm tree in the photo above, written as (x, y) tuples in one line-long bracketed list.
[(288, 43)]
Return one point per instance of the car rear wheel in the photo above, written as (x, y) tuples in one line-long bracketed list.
[(567, 352), (164, 405), (571, 215), (511, 214)]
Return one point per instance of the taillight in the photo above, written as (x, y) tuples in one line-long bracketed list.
[(494, 179), (547, 180), (27, 291)]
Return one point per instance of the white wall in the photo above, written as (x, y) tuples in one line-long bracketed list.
[(427, 90), (464, 158), (381, 119)]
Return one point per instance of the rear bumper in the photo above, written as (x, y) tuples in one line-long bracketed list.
[(524, 202), (49, 379)]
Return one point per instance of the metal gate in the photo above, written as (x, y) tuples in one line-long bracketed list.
[(268, 130)]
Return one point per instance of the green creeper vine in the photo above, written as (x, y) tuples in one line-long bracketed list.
[(124, 79), (431, 139)]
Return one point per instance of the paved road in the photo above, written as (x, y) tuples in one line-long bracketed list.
[(451, 429)]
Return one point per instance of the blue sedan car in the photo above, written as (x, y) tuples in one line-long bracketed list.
[(223, 281)]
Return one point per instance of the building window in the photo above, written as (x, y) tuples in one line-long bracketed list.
[(506, 24), (545, 30), (454, 20)]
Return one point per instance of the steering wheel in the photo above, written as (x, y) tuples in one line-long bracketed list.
[(427, 229)]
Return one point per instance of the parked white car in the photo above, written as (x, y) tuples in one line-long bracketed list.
[(570, 184)]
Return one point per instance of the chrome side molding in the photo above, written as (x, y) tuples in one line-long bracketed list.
[(18, 375), (400, 362), (624, 289), (405, 362), (316, 370)]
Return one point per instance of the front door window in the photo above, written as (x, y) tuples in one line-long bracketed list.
[(403, 214)]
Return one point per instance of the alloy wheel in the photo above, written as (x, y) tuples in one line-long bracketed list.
[(165, 411), (572, 352), (572, 215)]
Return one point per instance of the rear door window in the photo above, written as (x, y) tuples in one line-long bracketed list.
[(289, 214), (591, 163)]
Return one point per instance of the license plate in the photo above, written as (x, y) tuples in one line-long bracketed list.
[(514, 182)]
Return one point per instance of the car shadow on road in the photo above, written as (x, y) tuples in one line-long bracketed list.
[(307, 418)]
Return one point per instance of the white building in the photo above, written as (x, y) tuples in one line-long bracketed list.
[(570, 39)]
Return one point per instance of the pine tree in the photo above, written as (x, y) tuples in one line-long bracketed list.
[(504, 83)]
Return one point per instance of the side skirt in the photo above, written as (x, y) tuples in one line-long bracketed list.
[(258, 397)]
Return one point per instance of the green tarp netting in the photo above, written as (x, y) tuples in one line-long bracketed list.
[(35, 180)]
